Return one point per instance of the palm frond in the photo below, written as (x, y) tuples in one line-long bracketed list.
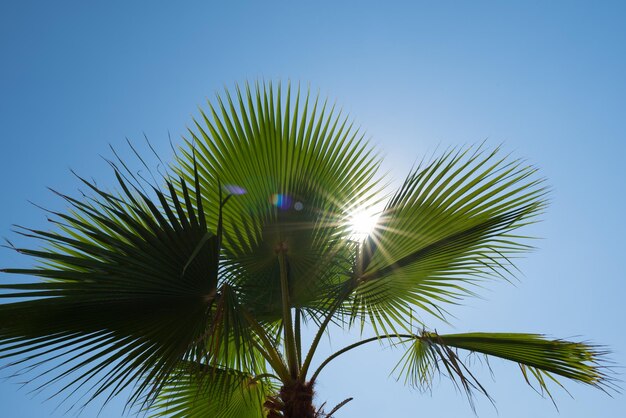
[(296, 170), (203, 391), (541, 360), (453, 223), (129, 289)]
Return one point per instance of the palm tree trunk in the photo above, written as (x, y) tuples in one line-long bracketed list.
[(296, 401)]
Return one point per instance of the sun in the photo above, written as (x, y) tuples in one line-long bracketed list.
[(362, 222)]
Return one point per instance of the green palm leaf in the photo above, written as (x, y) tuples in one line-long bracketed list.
[(453, 223), (129, 290), (203, 391), (540, 359), (297, 174)]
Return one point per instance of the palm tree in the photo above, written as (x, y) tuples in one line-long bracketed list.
[(193, 294)]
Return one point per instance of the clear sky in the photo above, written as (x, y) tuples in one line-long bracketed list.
[(546, 79)]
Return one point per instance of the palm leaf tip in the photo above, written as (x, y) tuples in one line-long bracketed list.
[(540, 359)]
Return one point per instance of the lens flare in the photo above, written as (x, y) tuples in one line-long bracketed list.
[(281, 201), (234, 189), (362, 222)]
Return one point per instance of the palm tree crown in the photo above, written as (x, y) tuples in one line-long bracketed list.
[(193, 293)]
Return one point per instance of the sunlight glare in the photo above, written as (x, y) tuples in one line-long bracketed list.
[(362, 222)]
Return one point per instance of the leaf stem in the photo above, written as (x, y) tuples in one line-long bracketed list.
[(290, 345), (270, 352), (355, 345), (298, 335)]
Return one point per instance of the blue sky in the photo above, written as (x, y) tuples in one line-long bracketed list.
[(545, 80)]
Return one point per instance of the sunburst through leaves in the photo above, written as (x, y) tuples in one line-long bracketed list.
[(194, 295)]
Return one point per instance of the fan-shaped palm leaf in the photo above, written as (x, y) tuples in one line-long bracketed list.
[(451, 223), (540, 359), (130, 290), (297, 176), (202, 391)]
